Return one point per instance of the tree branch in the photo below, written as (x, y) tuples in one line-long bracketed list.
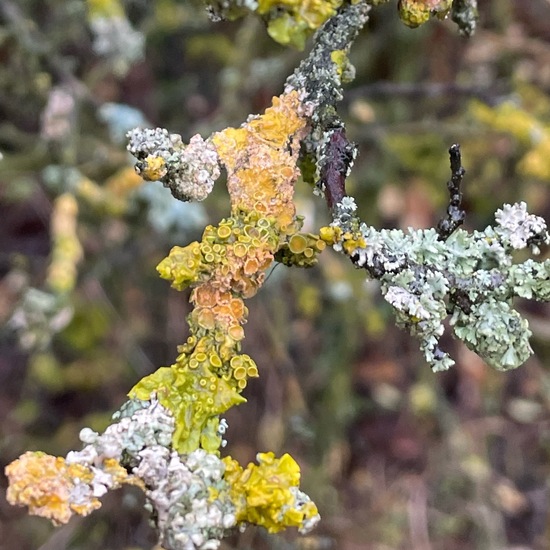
[(455, 214)]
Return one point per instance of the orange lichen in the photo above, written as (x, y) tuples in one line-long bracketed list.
[(228, 265), (55, 489), (260, 158), (44, 484)]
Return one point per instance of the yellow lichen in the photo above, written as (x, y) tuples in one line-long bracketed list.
[(297, 243), (301, 250), (344, 68), (351, 242), (292, 21), (330, 235), (261, 156), (153, 168), (262, 493)]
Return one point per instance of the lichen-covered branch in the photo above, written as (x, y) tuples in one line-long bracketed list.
[(290, 22), (208, 377), (196, 498), (321, 77), (167, 437), (228, 266), (189, 171), (469, 277)]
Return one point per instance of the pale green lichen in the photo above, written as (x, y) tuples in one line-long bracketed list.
[(471, 277), (496, 332)]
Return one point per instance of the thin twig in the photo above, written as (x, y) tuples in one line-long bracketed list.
[(455, 213), (339, 154)]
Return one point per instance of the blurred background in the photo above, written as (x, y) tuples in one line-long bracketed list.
[(396, 457)]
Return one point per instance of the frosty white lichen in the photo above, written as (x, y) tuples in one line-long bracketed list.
[(179, 491), (519, 228), (151, 424), (407, 303), (178, 488), (189, 171)]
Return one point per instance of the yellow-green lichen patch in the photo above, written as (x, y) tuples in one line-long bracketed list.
[(416, 12), (301, 250), (227, 266), (267, 493), (291, 22)]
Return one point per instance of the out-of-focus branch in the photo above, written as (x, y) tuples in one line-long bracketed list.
[(35, 43), (427, 90)]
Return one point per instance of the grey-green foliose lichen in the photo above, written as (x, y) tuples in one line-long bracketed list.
[(470, 277)]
